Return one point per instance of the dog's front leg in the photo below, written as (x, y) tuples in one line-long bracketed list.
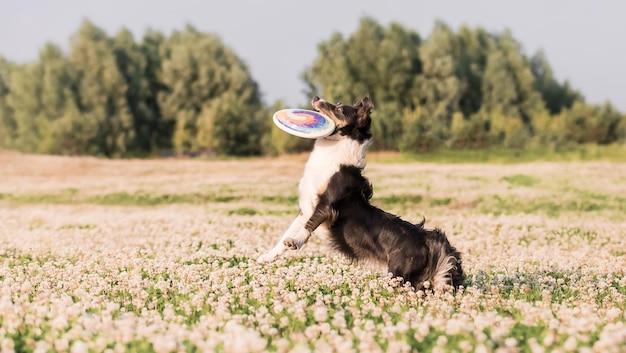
[(291, 239), (323, 213)]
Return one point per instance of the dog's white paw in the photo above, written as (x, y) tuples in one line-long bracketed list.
[(266, 258), (292, 244)]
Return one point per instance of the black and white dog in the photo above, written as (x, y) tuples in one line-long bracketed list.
[(335, 201)]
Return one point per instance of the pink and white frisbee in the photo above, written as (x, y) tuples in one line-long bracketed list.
[(304, 123)]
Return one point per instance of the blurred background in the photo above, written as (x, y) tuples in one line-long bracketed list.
[(152, 78)]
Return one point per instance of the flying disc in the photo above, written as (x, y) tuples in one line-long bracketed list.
[(304, 123)]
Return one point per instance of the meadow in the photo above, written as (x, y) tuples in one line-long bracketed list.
[(160, 256)]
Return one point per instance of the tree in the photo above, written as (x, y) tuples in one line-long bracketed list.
[(474, 47), (381, 62), (584, 123), (102, 88), (439, 89), (276, 141), (330, 75), (132, 64), (8, 126), (39, 93), (509, 99), (555, 96), (500, 89), (210, 96), (440, 86), (468, 133), (58, 91), (71, 133), (25, 100), (162, 131), (25, 83)]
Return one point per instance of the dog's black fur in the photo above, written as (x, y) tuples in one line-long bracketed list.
[(364, 232)]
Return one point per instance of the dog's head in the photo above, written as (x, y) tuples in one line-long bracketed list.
[(352, 121)]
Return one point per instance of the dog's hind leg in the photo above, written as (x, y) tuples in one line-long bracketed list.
[(289, 240)]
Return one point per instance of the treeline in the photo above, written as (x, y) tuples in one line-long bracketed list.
[(189, 92), (114, 96), (464, 89)]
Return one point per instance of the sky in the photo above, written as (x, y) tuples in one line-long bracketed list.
[(583, 40)]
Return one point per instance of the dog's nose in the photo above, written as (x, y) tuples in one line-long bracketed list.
[(316, 98)]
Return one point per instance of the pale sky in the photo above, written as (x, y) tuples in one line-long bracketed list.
[(583, 40)]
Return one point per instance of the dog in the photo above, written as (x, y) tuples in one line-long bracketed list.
[(334, 199)]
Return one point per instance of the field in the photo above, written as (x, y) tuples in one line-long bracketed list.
[(159, 255)]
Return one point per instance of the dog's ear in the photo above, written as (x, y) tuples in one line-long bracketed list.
[(364, 108), (365, 105)]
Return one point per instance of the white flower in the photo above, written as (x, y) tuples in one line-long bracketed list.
[(442, 341), (320, 314), (79, 347), (7, 345), (570, 344), (510, 342)]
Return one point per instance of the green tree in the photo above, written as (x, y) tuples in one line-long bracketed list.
[(474, 47), (556, 96), (440, 85), (102, 88), (330, 75), (133, 64), (621, 129), (210, 96), (8, 126), (71, 133), (528, 101), (381, 62), (58, 90), (439, 89), (509, 98), (25, 100), (162, 130), (468, 133), (38, 97), (276, 141), (593, 124)]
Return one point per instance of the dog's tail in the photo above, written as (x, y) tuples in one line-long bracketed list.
[(445, 260)]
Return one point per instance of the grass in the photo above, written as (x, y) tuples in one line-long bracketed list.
[(161, 257), (578, 202), (616, 153), (137, 198), (520, 180), (549, 206)]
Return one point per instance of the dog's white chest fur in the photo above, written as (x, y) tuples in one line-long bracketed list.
[(325, 159)]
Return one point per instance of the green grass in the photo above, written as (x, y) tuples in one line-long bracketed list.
[(615, 153), (143, 198), (61, 197), (282, 199), (394, 200), (576, 202), (77, 226), (137, 198), (569, 200), (521, 180)]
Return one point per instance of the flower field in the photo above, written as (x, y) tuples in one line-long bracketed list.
[(160, 255)]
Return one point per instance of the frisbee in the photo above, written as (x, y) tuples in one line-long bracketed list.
[(304, 123)]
